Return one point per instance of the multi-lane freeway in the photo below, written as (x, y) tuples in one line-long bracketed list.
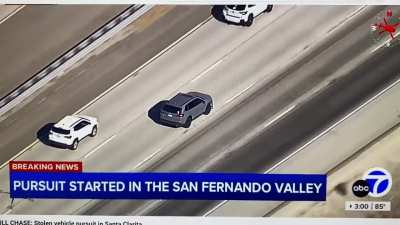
[(149, 36), (274, 85), (247, 140)]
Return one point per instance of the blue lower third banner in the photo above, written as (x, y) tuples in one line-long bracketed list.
[(200, 186)]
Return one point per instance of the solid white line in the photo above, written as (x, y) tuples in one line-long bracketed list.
[(11, 14), (207, 70), (99, 146)]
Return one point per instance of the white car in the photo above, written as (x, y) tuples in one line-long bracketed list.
[(72, 129), (244, 14)]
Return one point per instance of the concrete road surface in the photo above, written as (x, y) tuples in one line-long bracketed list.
[(278, 140), (224, 61), (342, 140), (143, 39), (7, 11), (273, 144), (38, 34)]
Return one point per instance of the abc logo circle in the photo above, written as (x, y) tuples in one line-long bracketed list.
[(379, 180), (360, 188)]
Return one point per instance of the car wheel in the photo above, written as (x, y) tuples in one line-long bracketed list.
[(94, 131), (208, 109), (269, 8), (188, 122), (74, 145), (249, 21)]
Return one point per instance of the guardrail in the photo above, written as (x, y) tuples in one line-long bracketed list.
[(75, 53)]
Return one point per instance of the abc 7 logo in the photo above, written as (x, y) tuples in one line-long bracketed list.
[(376, 182)]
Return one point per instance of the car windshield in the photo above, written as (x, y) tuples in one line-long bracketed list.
[(237, 7), (171, 109), (60, 130)]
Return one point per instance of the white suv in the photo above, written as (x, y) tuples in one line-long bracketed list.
[(72, 129), (244, 14)]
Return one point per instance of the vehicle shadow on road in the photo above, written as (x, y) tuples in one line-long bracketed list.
[(154, 113), (43, 136), (216, 12)]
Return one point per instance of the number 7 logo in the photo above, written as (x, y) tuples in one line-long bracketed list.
[(379, 181)]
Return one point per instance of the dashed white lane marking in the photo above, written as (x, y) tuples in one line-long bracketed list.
[(279, 116), (238, 94), (207, 70), (146, 159), (99, 146)]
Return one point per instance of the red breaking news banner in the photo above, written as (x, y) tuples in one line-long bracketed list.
[(45, 166)]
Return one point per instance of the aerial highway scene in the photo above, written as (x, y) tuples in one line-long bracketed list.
[(266, 89)]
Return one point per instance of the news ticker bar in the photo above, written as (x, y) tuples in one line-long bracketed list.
[(195, 186), (153, 220), (65, 180)]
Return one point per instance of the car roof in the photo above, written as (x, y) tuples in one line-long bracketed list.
[(68, 122), (180, 99), (235, 7)]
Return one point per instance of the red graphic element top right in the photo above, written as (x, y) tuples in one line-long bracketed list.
[(385, 27)]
